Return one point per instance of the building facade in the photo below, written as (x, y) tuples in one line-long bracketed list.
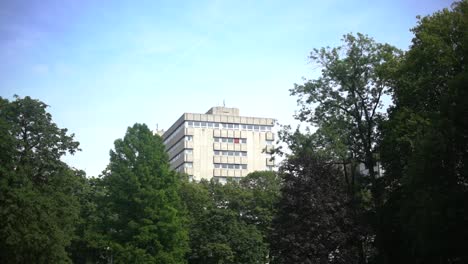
[(220, 144)]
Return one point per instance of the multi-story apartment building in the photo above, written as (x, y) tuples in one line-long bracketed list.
[(219, 144)]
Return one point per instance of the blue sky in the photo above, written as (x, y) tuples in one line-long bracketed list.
[(104, 65)]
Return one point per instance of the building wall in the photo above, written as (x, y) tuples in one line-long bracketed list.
[(219, 144)]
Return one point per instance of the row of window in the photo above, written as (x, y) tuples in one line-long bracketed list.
[(231, 140), (217, 125), (184, 165), (224, 180), (219, 166), (230, 153), (227, 126), (173, 148), (183, 152), (175, 133), (230, 166)]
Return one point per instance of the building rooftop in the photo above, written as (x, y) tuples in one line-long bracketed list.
[(220, 110)]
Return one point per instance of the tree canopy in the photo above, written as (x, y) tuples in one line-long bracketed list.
[(38, 192), (146, 221)]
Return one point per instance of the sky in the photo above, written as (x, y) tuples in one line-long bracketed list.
[(102, 66)]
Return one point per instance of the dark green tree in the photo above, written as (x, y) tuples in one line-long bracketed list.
[(38, 192), (90, 245), (424, 146), (146, 221), (344, 102), (219, 230), (263, 192), (314, 223)]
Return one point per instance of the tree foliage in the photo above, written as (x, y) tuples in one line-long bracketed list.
[(146, 221), (38, 192), (344, 101), (424, 146), (314, 223), (345, 104), (230, 223)]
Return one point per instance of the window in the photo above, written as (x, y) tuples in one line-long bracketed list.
[(188, 138), (188, 151), (230, 166), (230, 140), (188, 165), (216, 125), (196, 124), (190, 123), (249, 127), (203, 124), (269, 142), (216, 152)]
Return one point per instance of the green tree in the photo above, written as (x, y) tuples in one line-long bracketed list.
[(147, 222), (314, 223), (90, 245), (344, 101), (219, 232), (38, 192), (263, 190), (345, 104), (424, 146)]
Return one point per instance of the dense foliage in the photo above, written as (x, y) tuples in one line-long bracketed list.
[(144, 221), (425, 145), (38, 192), (315, 222), (417, 208), (231, 223), (365, 187)]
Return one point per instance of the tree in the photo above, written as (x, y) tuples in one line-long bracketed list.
[(263, 189), (38, 192), (219, 232), (345, 104), (147, 222), (344, 101), (314, 223), (424, 145), (90, 245)]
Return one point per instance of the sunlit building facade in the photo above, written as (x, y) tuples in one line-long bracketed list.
[(220, 144)]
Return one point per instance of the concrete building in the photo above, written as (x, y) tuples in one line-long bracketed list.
[(220, 144)]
